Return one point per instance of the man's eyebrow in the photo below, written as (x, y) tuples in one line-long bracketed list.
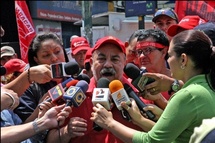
[(101, 54)]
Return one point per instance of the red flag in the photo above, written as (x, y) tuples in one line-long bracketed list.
[(204, 9), (25, 28)]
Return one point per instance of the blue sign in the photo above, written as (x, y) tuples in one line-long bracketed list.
[(139, 8), (63, 10)]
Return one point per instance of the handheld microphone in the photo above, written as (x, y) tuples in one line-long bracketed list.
[(139, 102), (139, 81), (63, 69), (83, 77), (119, 94), (75, 95), (3, 70), (57, 91), (101, 95)]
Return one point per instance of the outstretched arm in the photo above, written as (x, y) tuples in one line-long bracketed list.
[(104, 119)]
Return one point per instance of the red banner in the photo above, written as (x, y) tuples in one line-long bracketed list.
[(204, 9), (25, 28)]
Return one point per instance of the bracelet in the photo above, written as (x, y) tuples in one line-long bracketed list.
[(29, 80), (13, 99), (35, 126)]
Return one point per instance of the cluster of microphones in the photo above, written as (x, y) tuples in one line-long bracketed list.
[(108, 92), (72, 91)]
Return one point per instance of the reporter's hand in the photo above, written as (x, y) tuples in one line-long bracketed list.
[(55, 116), (44, 107), (40, 73), (155, 110), (133, 111), (8, 102), (162, 83), (101, 116)]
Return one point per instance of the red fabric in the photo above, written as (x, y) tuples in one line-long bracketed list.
[(204, 9), (85, 110), (187, 22), (14, 65), (109, 39), (25, 28), (78, 44)]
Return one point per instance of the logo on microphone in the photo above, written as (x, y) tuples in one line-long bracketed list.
[(76, 95), (100, 93)]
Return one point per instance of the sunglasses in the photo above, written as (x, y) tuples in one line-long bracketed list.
[(146, 51)]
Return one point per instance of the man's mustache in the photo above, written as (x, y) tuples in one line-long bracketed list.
[(108, 71)]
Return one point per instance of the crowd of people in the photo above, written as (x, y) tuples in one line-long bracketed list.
[(178, 55)]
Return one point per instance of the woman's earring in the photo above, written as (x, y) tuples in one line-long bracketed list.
[(182, 67)]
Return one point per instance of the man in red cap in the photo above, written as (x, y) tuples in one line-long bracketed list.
[(108, 60), (79, 47), (186, 23), (14, 68)]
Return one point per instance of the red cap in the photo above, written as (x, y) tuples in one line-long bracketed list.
[(187, 23), (78, 44), (109, 39), (14, 65), (88, 55)]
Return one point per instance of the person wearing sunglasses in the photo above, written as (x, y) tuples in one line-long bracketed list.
[(164, 18), (151, 51)]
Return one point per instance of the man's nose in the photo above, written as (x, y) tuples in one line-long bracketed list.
[(108, 63)]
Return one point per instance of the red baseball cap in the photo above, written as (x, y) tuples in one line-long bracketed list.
[(78, 44), (88, 55), (14, 65), (109, 39), (187, 23)]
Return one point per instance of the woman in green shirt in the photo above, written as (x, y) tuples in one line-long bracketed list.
[(191, 60)]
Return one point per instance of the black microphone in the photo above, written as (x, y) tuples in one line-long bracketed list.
[(60, 70), (75, 95), (139, 81), (139, 102), (83, 77), (3, 70)]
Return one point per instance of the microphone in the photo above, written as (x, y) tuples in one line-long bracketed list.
[(101, 95), (139, 102), (57, 91), (63, 69), (139, 81), (119, 94), (3, 70), (83, 77), (75, 95)]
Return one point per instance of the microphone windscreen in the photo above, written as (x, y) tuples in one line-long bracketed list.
[(66, 81), (3, 70), (103, 83), (131, 70), (115, 85), (71, 68), (72, 83), (83, 77), (83, 85)]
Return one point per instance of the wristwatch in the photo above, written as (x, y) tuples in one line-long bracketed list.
[(175, 85)]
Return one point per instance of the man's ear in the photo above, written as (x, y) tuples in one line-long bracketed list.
[(126, 44)]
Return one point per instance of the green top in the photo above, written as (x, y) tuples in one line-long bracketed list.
[(185, 110)]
